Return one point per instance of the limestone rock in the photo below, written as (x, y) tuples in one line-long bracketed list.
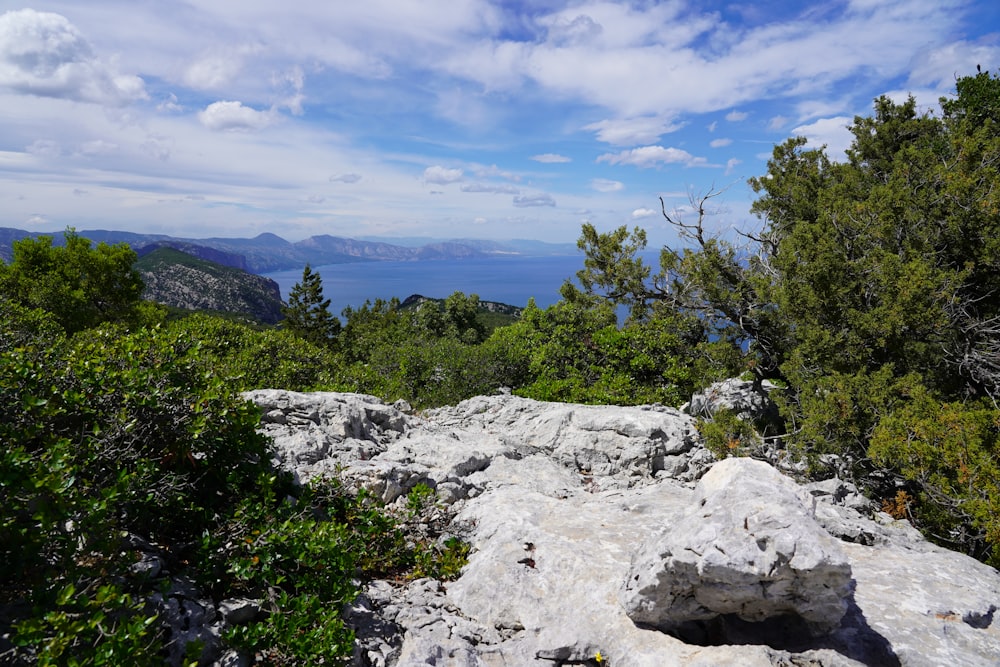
[(740, 396), (748, 546), (560, 502)]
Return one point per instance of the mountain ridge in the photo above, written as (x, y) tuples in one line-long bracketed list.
[(269, 252)]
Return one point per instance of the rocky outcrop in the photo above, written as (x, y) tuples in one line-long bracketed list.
[(565, 505), (748, 545)]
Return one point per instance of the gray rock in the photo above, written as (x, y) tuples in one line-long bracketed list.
[(747, 546), (237, 611), (742, 397), (558, 501)]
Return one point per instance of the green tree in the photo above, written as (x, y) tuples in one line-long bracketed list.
[(872, 290), (80, 284), (308, 313)]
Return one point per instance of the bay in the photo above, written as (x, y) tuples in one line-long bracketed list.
[(511, 279)]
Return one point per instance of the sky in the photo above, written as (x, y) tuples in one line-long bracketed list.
[(442, 118)]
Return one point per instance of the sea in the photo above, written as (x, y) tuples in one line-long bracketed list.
[(510, 279)]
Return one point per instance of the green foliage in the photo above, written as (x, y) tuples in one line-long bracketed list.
[(428, 355), (250, 357), (82, 286), (871, 292), (727, 434), (951, 451), (308, 313), (132, 434), (569, 353), (876, 285), (105, 437), (443, 561)]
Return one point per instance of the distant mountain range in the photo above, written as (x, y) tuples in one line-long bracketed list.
[(269, 252)]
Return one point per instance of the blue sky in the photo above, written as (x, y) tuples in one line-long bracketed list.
[(440, 118)]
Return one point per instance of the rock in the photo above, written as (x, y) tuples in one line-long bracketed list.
[(743, 397), (561, 503), (237, 611), (190, 621), (315, 434), (632, 444), (748, 546)]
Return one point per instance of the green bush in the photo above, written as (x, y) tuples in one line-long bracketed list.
[(258, 358), (107, 436), (951, 452)]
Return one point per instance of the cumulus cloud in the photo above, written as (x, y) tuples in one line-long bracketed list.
[(232, 116), (623, 132), (442, 175), (650, 156), (550, 158), (219, 67), (829, 132), (736, 116), (43, 54), (643, 213), (524, 201), (731, 164), (345, 178), (495, 189), (720, 143), (606, 185)]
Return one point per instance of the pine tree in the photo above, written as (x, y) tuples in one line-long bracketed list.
[(308, 313)]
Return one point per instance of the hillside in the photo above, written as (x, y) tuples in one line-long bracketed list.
[(175, 278)]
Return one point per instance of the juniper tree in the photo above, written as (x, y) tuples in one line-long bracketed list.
[(873, 291), (308, 313)]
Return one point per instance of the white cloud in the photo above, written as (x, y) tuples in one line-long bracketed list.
[(495, 189), (170, 105), (720, 143), (937, 67), (736, 116), (631, 131), (442, 175), (494, 171), (228, 115), (831, 132), (212, 72), (650, 156), (643, 213), (606, 185), (534, 200), (345, 178), (551, 158), (98, 147), (776, 123), (43, 54), (44, 148), (731, 164)]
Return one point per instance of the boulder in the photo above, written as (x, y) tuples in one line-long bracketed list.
[(744, 397), (748, 546)]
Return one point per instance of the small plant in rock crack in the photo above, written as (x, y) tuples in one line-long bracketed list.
[(443, 561), (420, 499)]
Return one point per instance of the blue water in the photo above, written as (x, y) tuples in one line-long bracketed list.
[(507, 279)]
